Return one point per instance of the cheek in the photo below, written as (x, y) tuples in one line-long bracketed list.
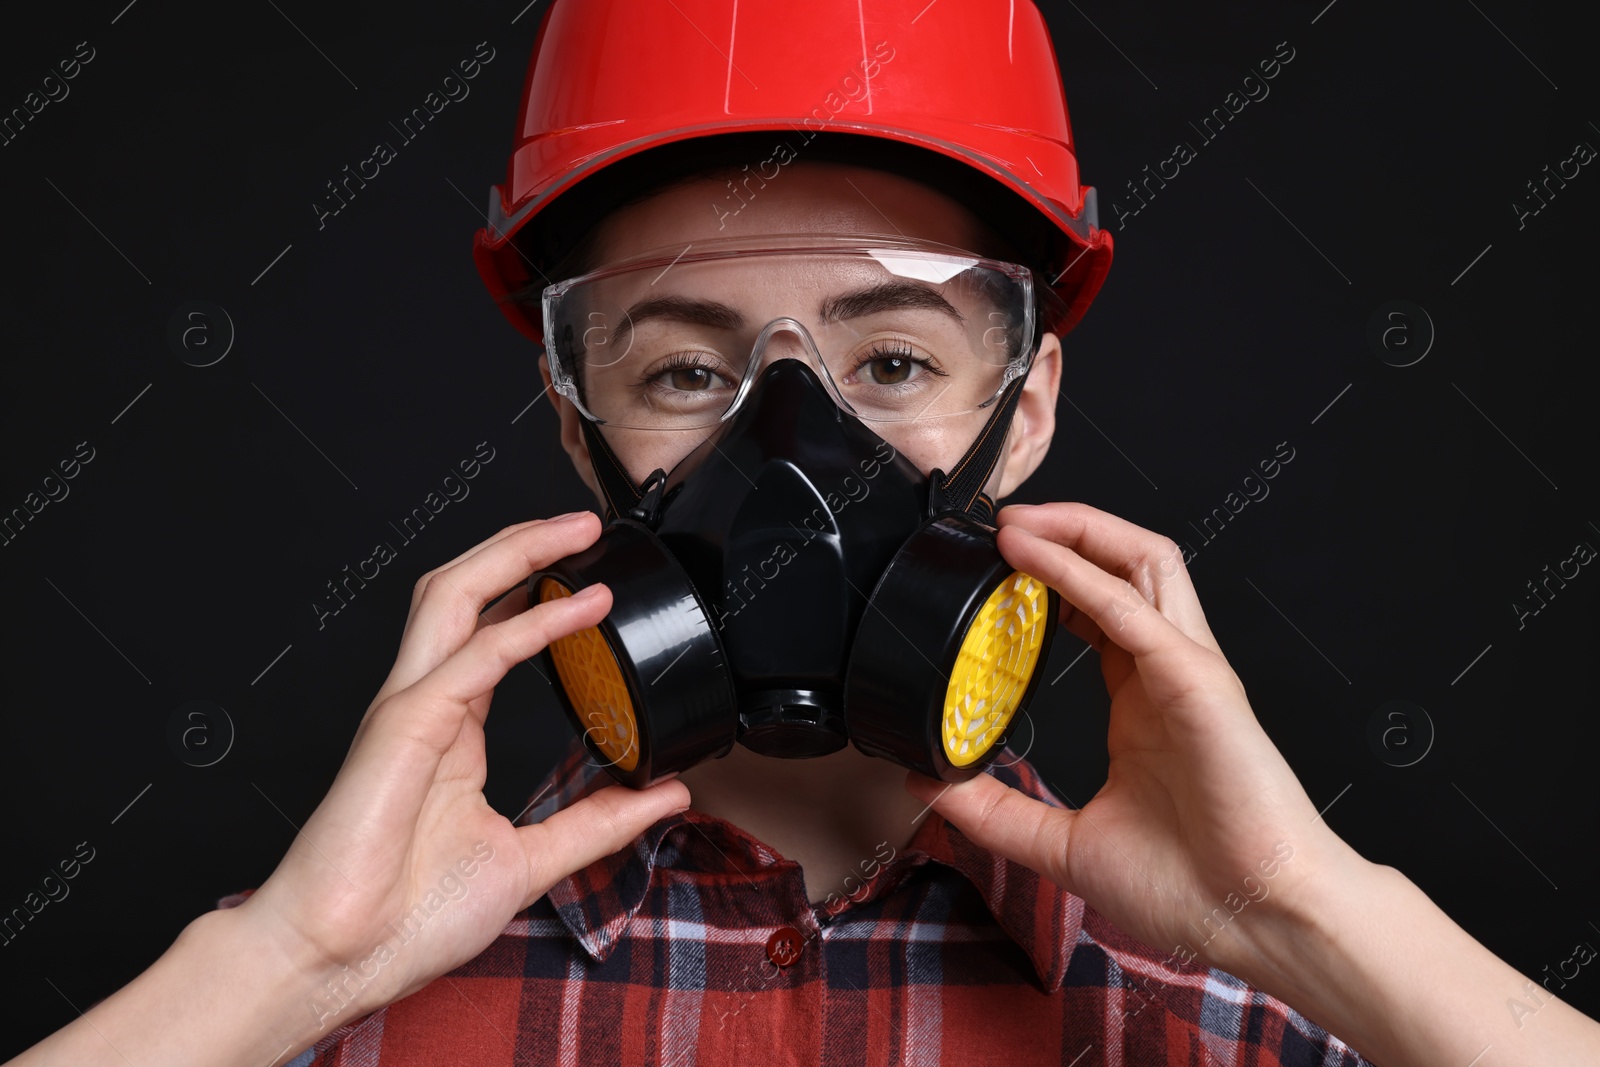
[(642, 451), (932, 443)]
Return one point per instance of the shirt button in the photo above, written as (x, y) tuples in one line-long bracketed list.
[(783, 947)]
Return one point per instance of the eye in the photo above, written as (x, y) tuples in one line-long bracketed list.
[(690, 379), (893, 364), (686, 372), (889, 370)]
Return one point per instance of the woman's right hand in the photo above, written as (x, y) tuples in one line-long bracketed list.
[(406, 820)]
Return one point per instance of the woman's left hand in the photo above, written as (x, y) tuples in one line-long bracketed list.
[(1199, 810)]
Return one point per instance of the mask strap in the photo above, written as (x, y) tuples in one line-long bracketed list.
[(623, 498), (962, 488)]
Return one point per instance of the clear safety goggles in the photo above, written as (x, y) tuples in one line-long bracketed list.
[(897, 330)]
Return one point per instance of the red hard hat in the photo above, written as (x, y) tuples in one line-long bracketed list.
[(963, 93)]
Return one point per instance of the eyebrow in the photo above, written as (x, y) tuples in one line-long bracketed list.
[(885, 296), (683, 309)]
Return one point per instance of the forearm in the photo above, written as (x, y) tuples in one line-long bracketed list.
[(1366, 955), (222, 993)]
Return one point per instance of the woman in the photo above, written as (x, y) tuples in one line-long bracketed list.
[(832, 907)]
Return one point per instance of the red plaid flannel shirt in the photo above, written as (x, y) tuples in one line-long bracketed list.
[(947, 954)]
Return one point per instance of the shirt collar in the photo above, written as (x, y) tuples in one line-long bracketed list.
[(597, 902)]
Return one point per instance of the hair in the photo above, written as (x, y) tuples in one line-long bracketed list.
[(563, 241)]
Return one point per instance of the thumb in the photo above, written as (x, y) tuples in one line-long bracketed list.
[(596, 826), (1008, 823)]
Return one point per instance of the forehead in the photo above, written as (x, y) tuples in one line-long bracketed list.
[(800, 197)]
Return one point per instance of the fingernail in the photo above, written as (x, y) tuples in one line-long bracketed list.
[(569, 516), (588, 592)]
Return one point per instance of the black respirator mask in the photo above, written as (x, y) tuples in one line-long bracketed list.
[(794, 583)]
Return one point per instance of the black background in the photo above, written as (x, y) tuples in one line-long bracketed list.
[(368, 360)]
